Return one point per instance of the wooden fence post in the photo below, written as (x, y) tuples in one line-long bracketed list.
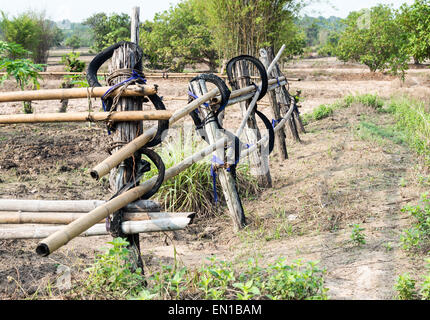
[(280, 135), (283, 98), (226, 178), (259, 162), (124, 132)]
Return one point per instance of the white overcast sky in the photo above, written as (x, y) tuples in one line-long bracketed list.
[(78, 10)]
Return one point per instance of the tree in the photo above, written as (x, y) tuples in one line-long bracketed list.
[(73, 42), (374, 38), (177, 37), (24, 71), (245, 26), (31, 30), (108, 30), (415, 20)]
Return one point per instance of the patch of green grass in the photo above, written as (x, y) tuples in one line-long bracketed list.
[(372, 132), (110, 277), (192, 189), (218, 280), (413, 119), (417, 238)]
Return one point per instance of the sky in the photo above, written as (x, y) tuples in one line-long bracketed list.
[(79, 10)]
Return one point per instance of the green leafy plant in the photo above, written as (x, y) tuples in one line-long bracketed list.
[(405, 287), (357, 236), (24, 71), (111, 276), (417, 238)]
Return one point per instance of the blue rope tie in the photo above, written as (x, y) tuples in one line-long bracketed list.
[(135, 76), (275, 122), (216, 160), (277, 79)]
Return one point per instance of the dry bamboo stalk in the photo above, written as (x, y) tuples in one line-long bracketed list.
[(128, 150), (19, 217), (85, 116), (128, 227), (74, 93), (74, 229), (71, 205)]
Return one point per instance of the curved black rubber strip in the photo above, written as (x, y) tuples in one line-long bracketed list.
[(269, 127), (156, 159), (225, 96), (106, 54), (163, 125), (260, 67), (219, 83)]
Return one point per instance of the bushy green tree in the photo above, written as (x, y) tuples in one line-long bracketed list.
[(33, 31), (108, 30), (73, 42), (244, 26), (374, 38), (177, 37), (415, 20)]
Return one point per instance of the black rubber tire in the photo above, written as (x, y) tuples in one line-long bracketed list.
[(106, 54), (156, 159), (219, 83), (269, 127), (163, 125), (260, 67)]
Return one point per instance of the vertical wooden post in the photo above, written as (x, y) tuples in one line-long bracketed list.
[(282, 96), (226, 178), (125, 58), (135, 25), (280, 134), (259, 162)]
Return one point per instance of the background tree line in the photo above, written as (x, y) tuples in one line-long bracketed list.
[(211, 31)]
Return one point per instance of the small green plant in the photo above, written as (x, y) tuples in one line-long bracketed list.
[(417, 238), (323, 111), (357, 236), (425, 286), (405, 287), (111, 274), (24, 71)]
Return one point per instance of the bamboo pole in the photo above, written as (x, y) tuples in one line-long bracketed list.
[(128, 227), (128, 150), (19, 217), (74, 229), (74, 93), (71, 205), (85, 116), (116, 158)]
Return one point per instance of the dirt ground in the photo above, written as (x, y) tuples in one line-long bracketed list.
[(332, 179)]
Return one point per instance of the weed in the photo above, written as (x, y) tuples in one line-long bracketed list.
[(192, 189), (111, 276), (322, 112), (372, 132), (417, 238), (413, 120), (405, 287), (357, 236)]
